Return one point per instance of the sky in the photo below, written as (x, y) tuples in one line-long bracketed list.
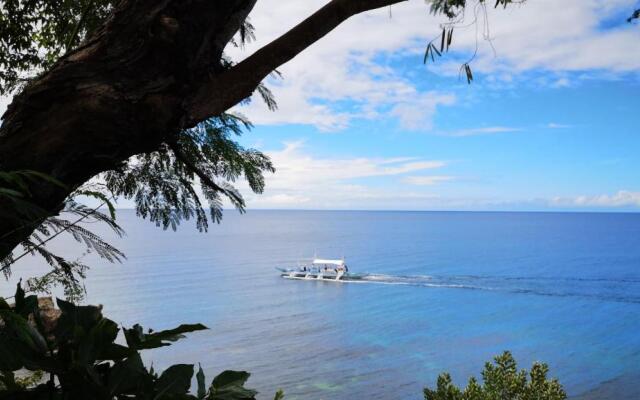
[(550, 121)]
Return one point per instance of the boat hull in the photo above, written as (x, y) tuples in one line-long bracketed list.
[(320, 277)]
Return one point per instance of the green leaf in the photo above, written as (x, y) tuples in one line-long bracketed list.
[(23, 331), (75, 319), (126, 375), (202, 389), (228, 377), (8, 381), (3, 304), (435, 49), (426, 54), (229, 385), (44, 177), (137, 339), (10, 192), (279, 395), (25, 305), (10, 359), (97, 341), (99, 196), (115, 352), (175, 380), (467, 70), (19, 296)]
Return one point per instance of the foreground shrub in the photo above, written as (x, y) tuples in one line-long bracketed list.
[(76, 356), (501, 381)]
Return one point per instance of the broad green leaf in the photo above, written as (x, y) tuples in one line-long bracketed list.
[(126, 375), (23, 331), (115, 352), (137, 339), (97, 340), (25, 305), (227, 378), (175, 380), (229, 385), (76, 317)]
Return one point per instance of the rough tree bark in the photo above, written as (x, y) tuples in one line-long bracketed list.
[(151, 71)]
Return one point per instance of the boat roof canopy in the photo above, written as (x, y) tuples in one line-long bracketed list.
[(321, 261)]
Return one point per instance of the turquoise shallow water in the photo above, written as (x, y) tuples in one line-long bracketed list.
[(445, 291)]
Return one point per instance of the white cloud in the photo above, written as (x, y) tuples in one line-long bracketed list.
[(491, 130), (285, 199), (554, 125), (341, 68), (417, 113), (541, 35), (622, 198), (559, 36), (305, 181), (427, 180)]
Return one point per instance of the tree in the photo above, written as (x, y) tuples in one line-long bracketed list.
[(501, 380), (14, 190), (145, 79)]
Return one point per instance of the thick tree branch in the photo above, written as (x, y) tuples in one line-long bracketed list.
[(225, 90), (152, 70)]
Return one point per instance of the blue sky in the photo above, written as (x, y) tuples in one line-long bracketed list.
[(550, 123)]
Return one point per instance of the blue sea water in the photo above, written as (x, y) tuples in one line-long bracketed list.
[(446, 291)]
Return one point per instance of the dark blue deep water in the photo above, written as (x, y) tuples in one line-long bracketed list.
[(446, 291)]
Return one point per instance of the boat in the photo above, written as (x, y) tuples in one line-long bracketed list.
[(320, 269)]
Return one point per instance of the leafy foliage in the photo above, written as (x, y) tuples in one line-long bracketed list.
[(14, 190), (83, 361), (163, 183), (503, 381), (453, 8), (35, 33)]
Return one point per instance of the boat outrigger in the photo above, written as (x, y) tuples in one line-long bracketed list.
[(320, 269)]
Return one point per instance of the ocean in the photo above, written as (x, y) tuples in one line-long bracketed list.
[(444, 291)]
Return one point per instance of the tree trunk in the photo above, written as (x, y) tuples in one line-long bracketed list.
[(153, 70)]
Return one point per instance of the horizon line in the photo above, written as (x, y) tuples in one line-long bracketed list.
[(428, 211)]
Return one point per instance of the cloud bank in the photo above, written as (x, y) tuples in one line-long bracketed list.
[(343, 77)]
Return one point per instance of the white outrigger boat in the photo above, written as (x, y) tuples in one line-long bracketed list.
[(320, 269)]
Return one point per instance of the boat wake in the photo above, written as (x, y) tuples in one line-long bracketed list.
[(606, 289)]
